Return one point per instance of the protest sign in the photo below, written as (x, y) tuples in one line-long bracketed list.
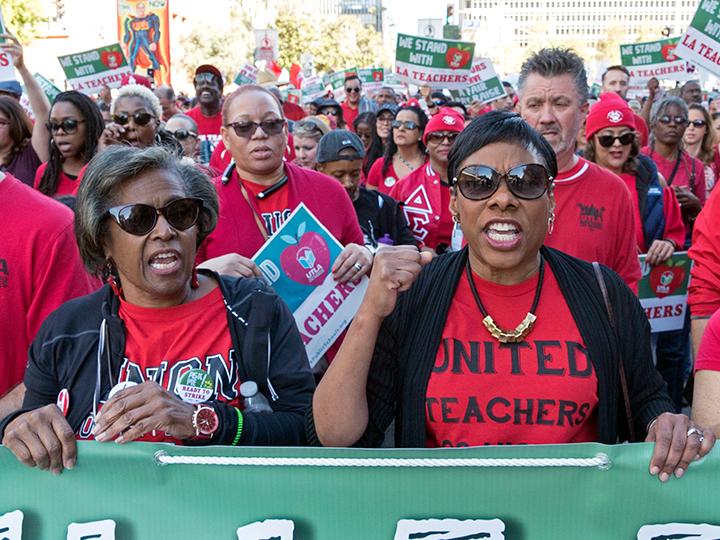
[(701, 42), (663, 292), (312, 88), (137, 491), (296, 261), (246, 75), (7, 69), (144, 32), (3, 28), (653, 59), (48, 88), (372, 78), (438, 62), (291, 94), (484, 84), (337, 81), (266, 45), (89, 71)]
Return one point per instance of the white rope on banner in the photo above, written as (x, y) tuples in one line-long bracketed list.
[(600, 461)]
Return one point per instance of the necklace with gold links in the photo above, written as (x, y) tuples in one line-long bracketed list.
[(522, 329), (405, 162)]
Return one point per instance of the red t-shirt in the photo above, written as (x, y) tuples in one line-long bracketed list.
[(376, 179), (690, 173), (708, 356), (221, 157), (273, 209), (704, 288), (208, 131), (40, 269), (593, 216), (349, 115), (68, 185), (161, 344), (542, 390)]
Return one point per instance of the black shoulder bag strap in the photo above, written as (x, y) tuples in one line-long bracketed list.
[(675, 168), (611, 319)]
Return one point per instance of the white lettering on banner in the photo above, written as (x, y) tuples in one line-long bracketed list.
[(709, 6), (11, 525), (278, 529), (93, 530), (449, 529), (679, 530)]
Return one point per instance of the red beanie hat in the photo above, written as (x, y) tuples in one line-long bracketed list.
[(445, 119), (131, 78), (610, 111)]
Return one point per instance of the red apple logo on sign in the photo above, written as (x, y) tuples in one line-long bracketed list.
[(458, 57), (666, 278), (668, 52), (111, 59), (307, 259)]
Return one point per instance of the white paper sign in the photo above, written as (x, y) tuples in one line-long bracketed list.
[(93, 530), (11, 525), (277, 529), (445, 529)]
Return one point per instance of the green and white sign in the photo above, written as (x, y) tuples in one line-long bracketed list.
[(701, 42), (653, 59), (246, 75), (440, 63), (337, 81), (48, 88), (663, 292), (89, 71), (484, 84), (372, 78), (312, 88)]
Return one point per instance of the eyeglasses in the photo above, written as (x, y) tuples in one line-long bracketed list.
[(141, 118), (355, 89), (331, 112), (407, 124), (698, 123), (182, 134), (528, 182), (667, 119), (606, 141), (248, 129), (437, 138), (140, 219), (69, 125), (437, 103), (205, 78)]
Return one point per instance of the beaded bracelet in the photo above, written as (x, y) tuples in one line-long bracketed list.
[(236, 440)]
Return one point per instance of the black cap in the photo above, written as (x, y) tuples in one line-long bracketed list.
[(392, 107), (332, 144)]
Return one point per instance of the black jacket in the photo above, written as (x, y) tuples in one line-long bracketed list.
[(409, 339), (381, 215), (268, 350)]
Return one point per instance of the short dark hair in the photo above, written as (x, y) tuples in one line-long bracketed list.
[(353, 77), (499, 126), (615, 68), (451, 104), (555, 61), (244, 89)]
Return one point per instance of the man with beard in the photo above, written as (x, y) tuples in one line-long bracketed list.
[(593, 215), (207, 114)]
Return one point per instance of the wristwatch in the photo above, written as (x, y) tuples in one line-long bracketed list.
[(205, 421)]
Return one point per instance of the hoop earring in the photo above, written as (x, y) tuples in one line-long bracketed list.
[(551, 223)]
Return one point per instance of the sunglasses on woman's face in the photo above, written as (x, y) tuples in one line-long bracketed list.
[(141, 118), (698, 123), (528, 182), (667, 119), (247, 129), (437, 138), (407, 124), (182, 134), (69, 125), (140, 219), (606, 141)]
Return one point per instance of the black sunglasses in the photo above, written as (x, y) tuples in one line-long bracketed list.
[(606, 141), (182, 134), (141, 118), (331, 112), (69, 125), (440, 137), (667, 119), (140, 219), (698, 123), (478, 182), (355, 90), (248, 129), (407, 124)]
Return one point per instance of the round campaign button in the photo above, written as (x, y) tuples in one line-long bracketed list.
[(63, 401), (194, 386), (390, 181), (120, 386)]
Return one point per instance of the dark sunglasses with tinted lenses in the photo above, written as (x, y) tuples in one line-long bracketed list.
[(667, 119), (478, 182), (140, 219), (182, 134), (437, 138), (606, 141), (248, 129), (354, 90), (407, 124), (69, 125), (141, 118), (698, 123)]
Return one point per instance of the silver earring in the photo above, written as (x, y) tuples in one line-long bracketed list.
[(551, 223)]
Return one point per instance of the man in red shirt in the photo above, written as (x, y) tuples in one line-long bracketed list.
[(593, 215), (208, 89), (351, 105)]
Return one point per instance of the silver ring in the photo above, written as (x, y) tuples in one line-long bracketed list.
[(357, 266), (694, 431)]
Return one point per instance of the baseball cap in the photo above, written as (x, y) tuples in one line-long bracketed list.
[(333, 143), (209, 68), (11, 87), (310, 124), (392, 107)]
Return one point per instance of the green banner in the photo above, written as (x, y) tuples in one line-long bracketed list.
[(533, 493), (89, 71), (701, 42), (372, 78), (48, 88), (337, 81), (654, 59), (441, 63), (312, 88), (246, 75), (484, 84), (662, 291)]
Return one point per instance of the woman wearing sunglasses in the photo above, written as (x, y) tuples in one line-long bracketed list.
[(425, 192), (160, 352), (504, 342), (404, 152), (613, 143), (185, 130), (75, 126), (700, 141)]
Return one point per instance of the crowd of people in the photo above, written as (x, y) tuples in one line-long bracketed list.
[(501, 241)]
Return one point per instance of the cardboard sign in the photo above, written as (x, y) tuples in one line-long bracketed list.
[(247, 75), (701, 42), (663, 292), (484, 84), (144, 32), (296, 261), (89, 71), (654, 59), (440, 63)]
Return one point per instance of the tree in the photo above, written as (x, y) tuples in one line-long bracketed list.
[(22, 17)]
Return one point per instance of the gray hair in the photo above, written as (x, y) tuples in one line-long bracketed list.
[(188, 119), (137, 90), (660, 108), (165, 91), (555, 61), (111, 169)]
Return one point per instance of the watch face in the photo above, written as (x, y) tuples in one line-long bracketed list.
[(206, 420)]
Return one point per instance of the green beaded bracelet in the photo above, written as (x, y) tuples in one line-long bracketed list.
[(236, 440)]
